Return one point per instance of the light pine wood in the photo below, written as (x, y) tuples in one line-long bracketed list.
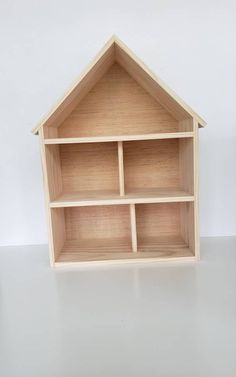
[(91, 198), (88, 167), (133, 228), (159, 250), (120, 167), (94, 229), (186, 167), (120, 107), (196, 233), (116, 51), (86, 81), (151, 164), (58, 230), (53, 166), (101, 139), (153, 84), (52, 255), (164, 221)]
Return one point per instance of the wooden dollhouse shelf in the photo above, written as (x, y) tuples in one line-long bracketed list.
[(119, 158), (92, 198), (103, 139)]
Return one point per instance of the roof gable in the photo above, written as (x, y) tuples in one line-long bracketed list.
[(116, 51)]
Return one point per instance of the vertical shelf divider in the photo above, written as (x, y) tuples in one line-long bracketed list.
[(121, 168), (133, 228)]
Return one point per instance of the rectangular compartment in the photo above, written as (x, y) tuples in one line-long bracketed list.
[(165, 229), (82, 171), (159, 167), (91, 233)]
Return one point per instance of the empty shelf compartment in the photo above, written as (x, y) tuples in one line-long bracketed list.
[(82, 170), (165, 229), (91, 233), (159, 166)]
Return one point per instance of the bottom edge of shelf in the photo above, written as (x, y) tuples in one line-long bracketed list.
[(121, 252), (139, 260)]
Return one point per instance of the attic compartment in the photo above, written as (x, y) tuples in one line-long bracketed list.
[(82, 170), (91, 233), (159, 167), (117, 105)]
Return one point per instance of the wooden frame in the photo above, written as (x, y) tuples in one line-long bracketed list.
[(120, 165)]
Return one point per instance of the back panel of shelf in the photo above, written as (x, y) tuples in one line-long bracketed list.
[(117, 105), (158, 165), (90, 170), (167, 228)]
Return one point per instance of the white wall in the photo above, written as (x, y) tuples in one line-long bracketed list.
[(45, 44)]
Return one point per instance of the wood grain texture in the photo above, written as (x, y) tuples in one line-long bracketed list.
[(121, 168), (153, 84), (81, 87), (54, 174), (89, 167), (186, 161), (107, 139), (99, 251), (151, 164), (99, 222), (115, 50), (167, 221), (133, 228), (106, 197), (196, 232), (158, 220), (119, 106), (47, 197), (120, 164)]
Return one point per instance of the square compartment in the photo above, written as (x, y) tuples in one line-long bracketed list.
[(166, 229), (81, 171), (159, 167), (91, 233)]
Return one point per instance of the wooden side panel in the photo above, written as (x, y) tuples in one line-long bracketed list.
[(187, 221), (89, 167), (186, 164), (53, 163), (117, 105), (196, 189), (151, 164), (47, 197), (58, 230)]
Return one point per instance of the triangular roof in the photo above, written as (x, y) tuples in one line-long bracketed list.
[(116, 50)]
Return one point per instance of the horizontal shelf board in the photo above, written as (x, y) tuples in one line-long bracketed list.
[(91, 198), (103, 139), (159, 248)]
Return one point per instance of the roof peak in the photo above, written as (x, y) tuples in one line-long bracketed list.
[(136, 68)]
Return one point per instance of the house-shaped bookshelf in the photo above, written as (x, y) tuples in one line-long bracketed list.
[(120, 165)]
